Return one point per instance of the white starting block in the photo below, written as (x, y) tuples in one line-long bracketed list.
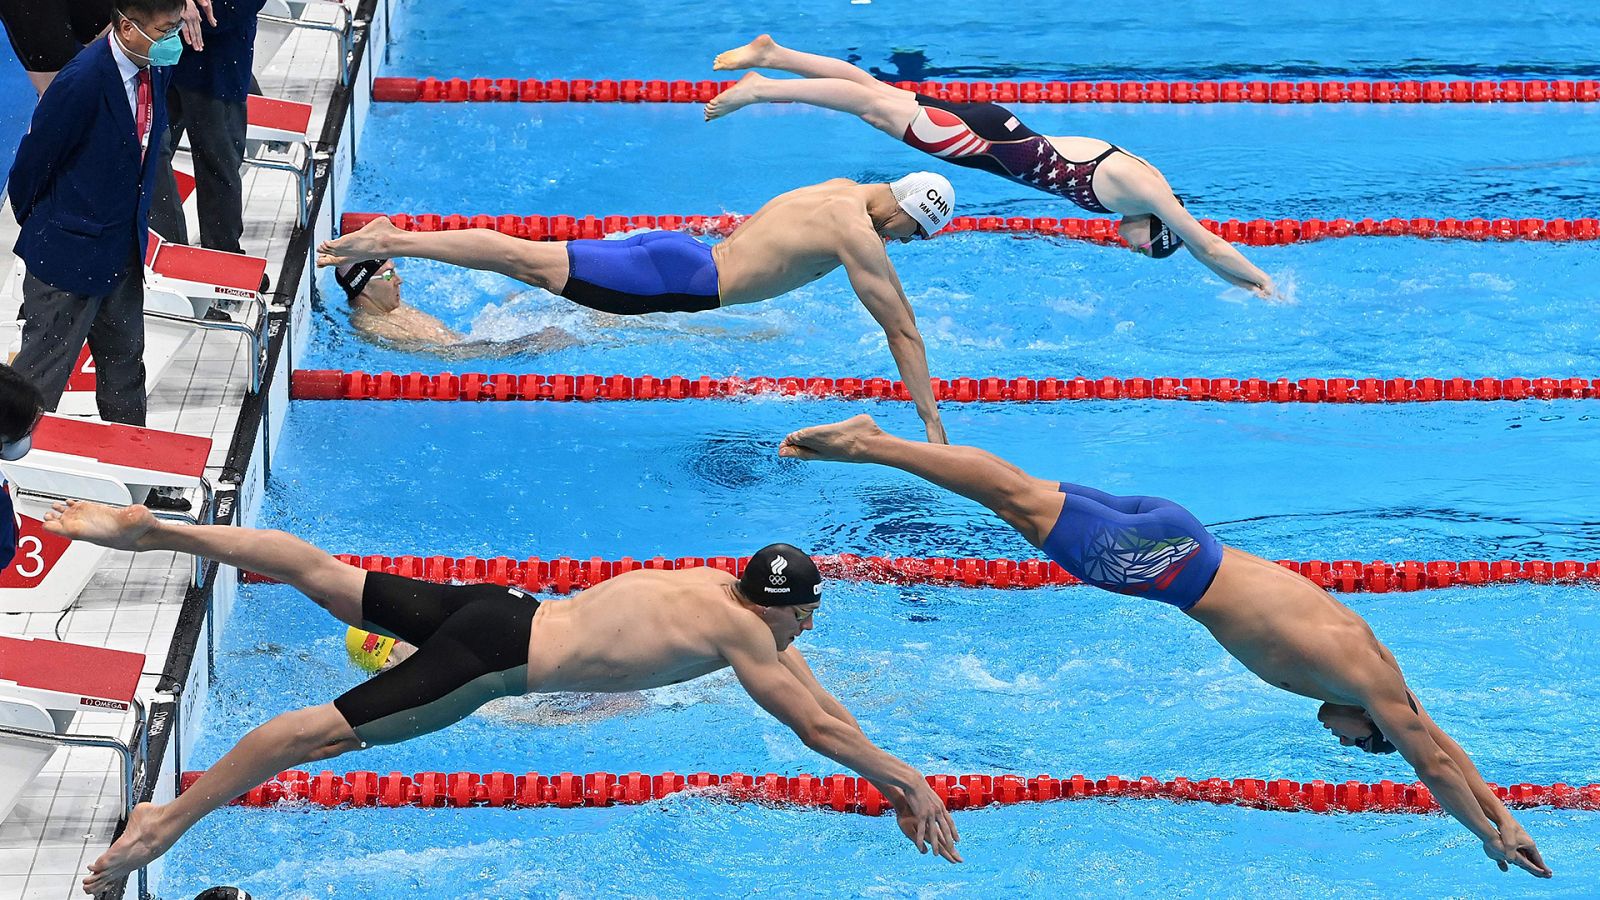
[(279, 19), (76, 459), (277, 136), (181, 285), (43, 685)]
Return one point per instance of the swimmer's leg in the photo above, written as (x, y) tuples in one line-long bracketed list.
[(885, 108), (766, 53), (335, 586), (290, 739), (542, 264), (1028, 504)]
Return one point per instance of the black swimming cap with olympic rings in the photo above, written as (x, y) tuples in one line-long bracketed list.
[(781, 575)]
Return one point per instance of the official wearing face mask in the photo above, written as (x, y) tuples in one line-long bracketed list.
[(80, 188)]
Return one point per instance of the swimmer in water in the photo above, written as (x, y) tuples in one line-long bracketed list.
[(1096, 175), (377, 311), (477, 642), (795, 239), (1292, 634)]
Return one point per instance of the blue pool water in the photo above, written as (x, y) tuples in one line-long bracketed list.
[(955, 680)]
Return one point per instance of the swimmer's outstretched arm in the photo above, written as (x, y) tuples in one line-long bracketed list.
[(774, 686), (1211, 250), (1450, 776), (283, 557), (542, 264), (878, 287)]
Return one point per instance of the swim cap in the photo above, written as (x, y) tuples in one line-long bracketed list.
[(353, 277), (1163, 240), (367, 650), (222, 893), (781, 575), (926, 197)]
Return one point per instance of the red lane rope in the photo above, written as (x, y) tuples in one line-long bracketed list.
[(335, 384), (1254, 233), (564, 573), (584, 90), (845, 793)]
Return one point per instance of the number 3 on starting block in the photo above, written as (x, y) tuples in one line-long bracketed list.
[(38, 551)]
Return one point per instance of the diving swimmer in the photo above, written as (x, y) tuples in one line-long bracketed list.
[(1096, 175), (793, 240), (475, 643), (1292, 634)]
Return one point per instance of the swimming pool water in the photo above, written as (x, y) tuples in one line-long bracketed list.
[(955, 680)]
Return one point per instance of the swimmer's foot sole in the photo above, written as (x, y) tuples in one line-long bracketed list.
[(120, 528), (852, 440), (144, 839), (746, 92), (750, 56)]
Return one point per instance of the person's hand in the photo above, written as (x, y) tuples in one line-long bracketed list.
[(936, 435), (1513, 847), (925, 821), (191, 22)]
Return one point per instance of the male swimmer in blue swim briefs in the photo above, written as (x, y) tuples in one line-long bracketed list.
[(795, 239), (1095, 175), (1289, 632)]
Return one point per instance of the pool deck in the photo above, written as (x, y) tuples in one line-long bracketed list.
[(67, 816)]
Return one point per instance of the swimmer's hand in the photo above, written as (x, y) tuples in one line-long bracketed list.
[(1513, 847), (924, 820), (936, 435), (370, 242)]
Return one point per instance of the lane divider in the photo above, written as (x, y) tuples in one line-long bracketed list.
[(1254, 233), (336, 384), (846, 793), (563, 574), (585, 90)]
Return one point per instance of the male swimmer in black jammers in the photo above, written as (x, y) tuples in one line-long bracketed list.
[(1094, 174), (1292, 634), (478, 642), (791, 241)]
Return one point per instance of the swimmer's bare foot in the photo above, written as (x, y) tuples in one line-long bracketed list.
[(124, 528), (847, 441), (371, 241), (737, 97), (145, 838), (751, 56)]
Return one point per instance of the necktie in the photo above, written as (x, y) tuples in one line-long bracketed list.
[(141, 123)]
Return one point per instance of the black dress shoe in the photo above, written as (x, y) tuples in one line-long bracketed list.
[(167, 499)]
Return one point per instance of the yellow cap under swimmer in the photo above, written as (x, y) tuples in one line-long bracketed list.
[(367, 650)]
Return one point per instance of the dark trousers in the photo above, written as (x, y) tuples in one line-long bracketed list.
[(56, 324), (216, 142)]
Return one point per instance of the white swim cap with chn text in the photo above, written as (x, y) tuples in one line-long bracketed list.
[(926, 197)]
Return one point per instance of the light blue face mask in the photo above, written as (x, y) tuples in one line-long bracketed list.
[(164, 52)]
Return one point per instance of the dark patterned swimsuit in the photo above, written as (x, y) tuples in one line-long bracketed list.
[(989, 137)]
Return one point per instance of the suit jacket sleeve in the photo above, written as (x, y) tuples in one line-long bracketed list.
[(60, 122)]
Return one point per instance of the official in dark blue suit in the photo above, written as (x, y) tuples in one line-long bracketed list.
[(80, 188), (209, 90)]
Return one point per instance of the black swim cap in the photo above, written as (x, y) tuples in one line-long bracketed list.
[(353, 277), (1163, 240), (781, 575), (222, 893)]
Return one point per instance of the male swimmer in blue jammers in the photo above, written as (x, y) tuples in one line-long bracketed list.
[(477, 642), (795, 239), (1289, 632)]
